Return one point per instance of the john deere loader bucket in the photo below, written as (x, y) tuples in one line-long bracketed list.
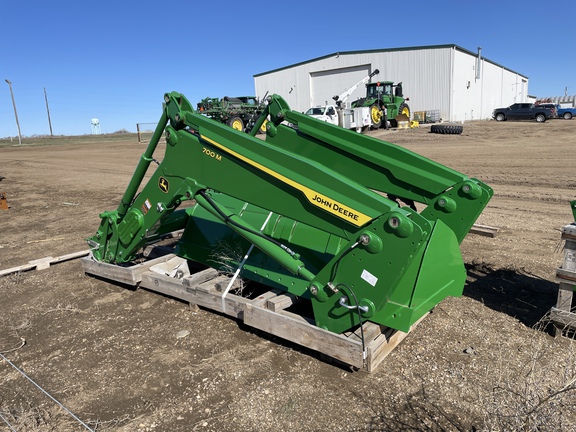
[(363, 230)]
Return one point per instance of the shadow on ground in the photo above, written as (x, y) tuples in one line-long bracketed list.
[(517, 293)]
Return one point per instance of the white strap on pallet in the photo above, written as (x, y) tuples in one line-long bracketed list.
[(237, 272)]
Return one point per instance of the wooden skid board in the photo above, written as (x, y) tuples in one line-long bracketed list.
[(266, 312), (127, 275), (484, 230), (43, 263)]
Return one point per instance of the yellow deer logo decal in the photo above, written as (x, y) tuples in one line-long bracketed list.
[(163, 184)]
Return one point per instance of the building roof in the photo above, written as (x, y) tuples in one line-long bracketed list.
[(414, 48), (560, 99)]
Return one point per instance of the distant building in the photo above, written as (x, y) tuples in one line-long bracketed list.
[(459, 84), (563, 101)]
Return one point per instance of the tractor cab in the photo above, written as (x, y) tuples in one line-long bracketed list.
[(387, 88), (379, 89)]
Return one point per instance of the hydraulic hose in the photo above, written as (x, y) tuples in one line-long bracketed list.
[(278, 251)]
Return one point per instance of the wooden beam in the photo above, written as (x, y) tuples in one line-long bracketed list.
[(44, 263), (484, 230)]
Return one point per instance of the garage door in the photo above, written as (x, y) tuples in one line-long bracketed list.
[(325, 85)]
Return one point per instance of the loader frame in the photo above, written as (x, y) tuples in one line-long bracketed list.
[(361, 229)]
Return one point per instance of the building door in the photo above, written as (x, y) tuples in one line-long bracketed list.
[(324, 85)]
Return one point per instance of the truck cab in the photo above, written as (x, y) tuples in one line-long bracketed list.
[(325, 113), (523, 111)]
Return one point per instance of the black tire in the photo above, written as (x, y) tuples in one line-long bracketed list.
[(540, 118), (447, 129), (567, 116), (500, 117), (376, 115), (236, 122)]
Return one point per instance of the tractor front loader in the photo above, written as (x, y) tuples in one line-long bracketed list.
[(362, 229)]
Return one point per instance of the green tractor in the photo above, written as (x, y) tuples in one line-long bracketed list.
[(239, 112), (384, 94)]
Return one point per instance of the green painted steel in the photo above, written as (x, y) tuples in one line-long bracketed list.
[(239, 112), (364, 229)]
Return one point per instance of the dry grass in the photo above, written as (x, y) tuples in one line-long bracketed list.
[(226, 257), (539, 396), (536, 394)]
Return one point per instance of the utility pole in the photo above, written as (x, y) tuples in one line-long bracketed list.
[(48, 111), (15, 112)]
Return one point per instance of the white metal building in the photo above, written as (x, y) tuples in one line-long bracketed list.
[(460, 84)]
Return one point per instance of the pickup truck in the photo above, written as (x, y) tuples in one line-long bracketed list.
[(325, 113), (565, 113), (523, 111), (351, 118)]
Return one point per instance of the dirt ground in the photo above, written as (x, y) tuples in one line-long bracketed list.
[(114, 357)]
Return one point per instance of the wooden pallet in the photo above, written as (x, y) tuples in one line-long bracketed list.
[(563, 316), (268, 311)]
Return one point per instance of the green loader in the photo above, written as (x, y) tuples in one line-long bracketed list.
[(361, 229)]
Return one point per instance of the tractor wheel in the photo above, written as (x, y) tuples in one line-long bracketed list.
[(236, 122), (404, 109), (376, 116), (447, 129)]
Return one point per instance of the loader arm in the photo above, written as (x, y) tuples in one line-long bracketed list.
[(313, 199), (382, 166)]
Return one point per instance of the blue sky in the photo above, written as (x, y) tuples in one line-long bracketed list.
[(115, 60)]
